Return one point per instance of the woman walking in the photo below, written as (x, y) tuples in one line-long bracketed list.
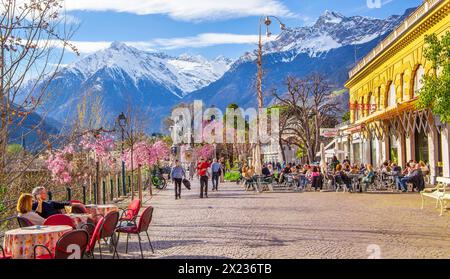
[(177, 175)]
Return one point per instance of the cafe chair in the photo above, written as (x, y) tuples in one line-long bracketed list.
[(105, 229), (24, 222), (79, 208), (131, 213), (59, 220), (144, 223), (4, 255), (72, 245)]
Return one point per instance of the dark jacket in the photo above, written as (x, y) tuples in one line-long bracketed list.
[(50, 208), (266, 171), (416, 178)]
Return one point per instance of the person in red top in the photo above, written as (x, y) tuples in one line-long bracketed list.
[(202, 171)]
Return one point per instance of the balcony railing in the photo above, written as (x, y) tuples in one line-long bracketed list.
[(397, 33)]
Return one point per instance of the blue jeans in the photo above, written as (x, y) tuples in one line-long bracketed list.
[(302, 182), (403, 182)]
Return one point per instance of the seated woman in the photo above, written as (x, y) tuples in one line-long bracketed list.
[(24, 209), (46, 208), (368, 178), (341, 177), (424, 168)]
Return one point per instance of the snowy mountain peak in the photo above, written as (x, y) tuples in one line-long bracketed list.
[(331, 17), (118, 45), (331, 30), (180, 75)]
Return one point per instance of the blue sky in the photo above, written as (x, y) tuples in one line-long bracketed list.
[(207, 27)]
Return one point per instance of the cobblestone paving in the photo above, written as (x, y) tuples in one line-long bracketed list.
[(236, 224)]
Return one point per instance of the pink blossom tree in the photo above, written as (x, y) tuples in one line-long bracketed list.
[(206, 151)]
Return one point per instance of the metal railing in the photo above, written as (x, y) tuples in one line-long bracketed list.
[(397, 33)]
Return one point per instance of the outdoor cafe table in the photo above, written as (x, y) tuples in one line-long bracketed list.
[(20, 242), (101, 210), (80, 219)]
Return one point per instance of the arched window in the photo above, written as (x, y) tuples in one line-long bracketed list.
[(392, 95), (356, 111), (418, 80)]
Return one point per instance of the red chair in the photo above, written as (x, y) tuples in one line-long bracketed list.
[(105, 228), (79, 208), (131, 213), (24, 222), (72, 245), (144, 223), (4, 255), (59, 220), (75, 201)]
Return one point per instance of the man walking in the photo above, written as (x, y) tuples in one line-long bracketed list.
[(202, 171), (177, 175), (216, 170)]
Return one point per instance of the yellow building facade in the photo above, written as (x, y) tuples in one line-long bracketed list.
[(384, 87)]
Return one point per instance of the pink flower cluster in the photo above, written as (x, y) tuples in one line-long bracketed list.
[(206, 151), (146, 154), (60, 166), (101, 146)]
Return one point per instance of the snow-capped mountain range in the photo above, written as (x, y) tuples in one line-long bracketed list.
[(332, 30), (180, 75), (155, 82)]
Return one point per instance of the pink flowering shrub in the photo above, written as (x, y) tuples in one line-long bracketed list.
[(69, 164), (206, 151), (60, 166), (146, 154)]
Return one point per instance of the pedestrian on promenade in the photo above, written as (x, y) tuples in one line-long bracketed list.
[(216, 169), (177, 175), (191, 170), (202, 171)]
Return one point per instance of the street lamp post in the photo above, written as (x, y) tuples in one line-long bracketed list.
[(266, 21), (122, 121)]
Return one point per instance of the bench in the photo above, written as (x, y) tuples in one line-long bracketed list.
[(438, 193)]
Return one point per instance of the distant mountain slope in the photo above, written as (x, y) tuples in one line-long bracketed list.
[(122, 76)]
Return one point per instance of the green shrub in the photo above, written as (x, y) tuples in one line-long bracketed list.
[(232, 176)]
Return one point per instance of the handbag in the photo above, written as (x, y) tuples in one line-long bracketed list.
[(187, 184)]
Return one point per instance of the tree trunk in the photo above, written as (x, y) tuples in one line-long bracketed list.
[(139, 182)]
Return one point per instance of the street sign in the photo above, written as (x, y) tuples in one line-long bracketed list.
[(329, 133)]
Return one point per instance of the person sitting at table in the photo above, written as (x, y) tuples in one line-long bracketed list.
[(284, 172), (347, 169), (46, 208), (342, 177), (424, 168), (396, 173), (25, 209), (266, 171), (415, 177), (355, 169), (369, 175)]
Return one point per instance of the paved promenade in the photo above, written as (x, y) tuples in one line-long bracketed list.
[(234, 224)]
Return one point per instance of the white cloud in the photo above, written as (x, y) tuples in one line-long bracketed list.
[(185, 10), (199, 41), (205, 40)]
